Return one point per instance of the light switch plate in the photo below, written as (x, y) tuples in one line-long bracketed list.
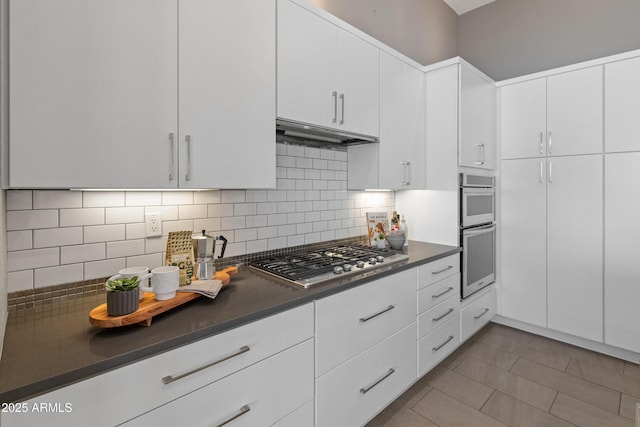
[(153, 224)]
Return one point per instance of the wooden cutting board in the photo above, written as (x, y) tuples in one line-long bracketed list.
[(150, 307)]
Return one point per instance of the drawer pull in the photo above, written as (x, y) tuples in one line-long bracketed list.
[(237, 415), (449, 289), (438, 347), (486, 310), (364, 390), (442, 316), (366, 319), (447, 268), (169, 379)]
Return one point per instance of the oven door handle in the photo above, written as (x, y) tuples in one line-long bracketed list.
[(478, 230)]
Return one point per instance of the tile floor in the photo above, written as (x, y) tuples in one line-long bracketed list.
[(503, 376)]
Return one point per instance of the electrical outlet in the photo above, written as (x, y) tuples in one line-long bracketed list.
[(153, 224)]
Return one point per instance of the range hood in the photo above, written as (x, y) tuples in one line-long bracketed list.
[(289, 130)]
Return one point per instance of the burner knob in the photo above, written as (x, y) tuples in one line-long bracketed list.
[(373, 261), (337, 270), (360, 264), (380, 258), (347, 267)]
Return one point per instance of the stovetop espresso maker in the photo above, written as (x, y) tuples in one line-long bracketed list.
[(204, 248)]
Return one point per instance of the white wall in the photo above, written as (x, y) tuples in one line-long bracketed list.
[(431, 215)]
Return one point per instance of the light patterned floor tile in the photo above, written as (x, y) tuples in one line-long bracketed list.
[(446, 411), (491, 355), (462, 388), (604, 375), (578, 353), (550, 358), (584, 414), (518, 414)]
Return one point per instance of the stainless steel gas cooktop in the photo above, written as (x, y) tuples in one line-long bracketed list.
[(313, 267)]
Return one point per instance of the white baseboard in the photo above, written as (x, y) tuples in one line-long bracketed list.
[(619, 353)]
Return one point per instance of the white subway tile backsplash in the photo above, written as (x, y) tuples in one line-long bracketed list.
[(177, 197), (295, 240), (19, 200), (33, 219), (295, 195), (19, 240), (277, 243), (304, 206), (312, 195), (319, 184), (286, 207), (286, 184), (256, 221), (334, 205), (277, 219), (304, 163), (104, 233), (286, 230), (276, 195), (295, 218), (246, 234), (168, 226), (233, 223), (327, 175), (124, 215), (320, 205), (334, 185), (281, 172), (320, 226), (169, 213), (285, 161), (281, 149), (151, 261), (235, 249), (312, 216), (217, 211), (33, 258), (327, 195), (233, 196), (341, 155), (295, 150), (125, 248), (52, 199), (342, 233), (267, 208), (51, 237), (82, 253), (85, 216), (320, 164), (58, 275), (267, 232), (302, 184), (311, 238), (257, 196), (136, 230), (206, 197), (155, 244), (143, 198), (257, 246), (209, 224), (20, 280), (312, 152), (103, 199), (304, 228), (192, 211), (106, 268), (242, 209), (328, 235), (312, 174), (327, 215), (328, 154)]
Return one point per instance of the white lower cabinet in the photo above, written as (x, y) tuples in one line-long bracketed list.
[(301, 417), (256, 396), (438, 344), (477, 313), (439, 314), (357, 390)]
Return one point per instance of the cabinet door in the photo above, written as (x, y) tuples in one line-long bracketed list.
[(622, 270), (523, 119), (402, 125), (622, 105), (477, 121), (574, 245), (358, 84), (574, 112), (227, 91), (92, 93), (523, 251), (306, 66)]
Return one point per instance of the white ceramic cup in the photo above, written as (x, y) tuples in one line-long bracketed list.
[(164, 282), (141, 272)]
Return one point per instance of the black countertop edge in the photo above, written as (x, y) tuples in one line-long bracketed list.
[(54, 382)]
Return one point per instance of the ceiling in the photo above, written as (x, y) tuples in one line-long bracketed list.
[(464, 6)]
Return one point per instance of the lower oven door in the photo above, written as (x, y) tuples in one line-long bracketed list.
[(478, 258)]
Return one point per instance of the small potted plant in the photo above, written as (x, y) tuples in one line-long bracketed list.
[(123, 296), (380, 241)]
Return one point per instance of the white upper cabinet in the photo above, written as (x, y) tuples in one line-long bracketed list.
[(227, 92), (326, 75), (94, 94), (402, 125), (477, 137), (622, 105), (553, 116)]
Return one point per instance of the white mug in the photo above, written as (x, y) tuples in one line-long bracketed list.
[(141, 272), (164, 282)]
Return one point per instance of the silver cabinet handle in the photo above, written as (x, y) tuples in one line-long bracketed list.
[(342, 115), (405, 172), (481, 162), (364, 390), (541, 174), (438, 347), (549, 142), (447, 268), (550, 171), (172, 163), (408, 166), (449, 289), (366, 319), (442, 316), (187, 139), (486, 310), (169, 378), (335, 106), (541, 142), (240, 413)]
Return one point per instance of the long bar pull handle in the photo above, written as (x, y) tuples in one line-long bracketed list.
[(187, 139), (447, 268), (342, 114), (366, 319), (438, 347), (404, 174), (550, 171), (237, 415), (365, 390), (541, 142), (446, 291), (481, 162), (442, 316), (486, 310), (408, 166), (335, 106), (541, 173), (169, 378), (172, 162), (549, 142)]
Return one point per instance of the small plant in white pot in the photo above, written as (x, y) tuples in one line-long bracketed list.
[(122, 296), (380, 241)]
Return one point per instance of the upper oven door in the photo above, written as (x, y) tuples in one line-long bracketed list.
[(478, 206)]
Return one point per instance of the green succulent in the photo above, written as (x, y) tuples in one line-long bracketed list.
[(122, 285)]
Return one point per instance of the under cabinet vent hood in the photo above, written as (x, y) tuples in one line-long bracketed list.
[(302, 133)]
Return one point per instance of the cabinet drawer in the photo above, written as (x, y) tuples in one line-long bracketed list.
[(352, 321), (436, 293), (437, 345), (139, 387), (438, 315), (301, 417), (356, 391), (477, 313), (258, 395), (438, 270)]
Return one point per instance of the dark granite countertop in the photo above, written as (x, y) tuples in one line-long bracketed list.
[(51, 346)]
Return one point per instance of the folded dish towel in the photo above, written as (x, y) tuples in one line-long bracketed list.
[(208, 288)]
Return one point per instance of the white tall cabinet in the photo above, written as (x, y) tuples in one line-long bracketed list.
[(142, 94)]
